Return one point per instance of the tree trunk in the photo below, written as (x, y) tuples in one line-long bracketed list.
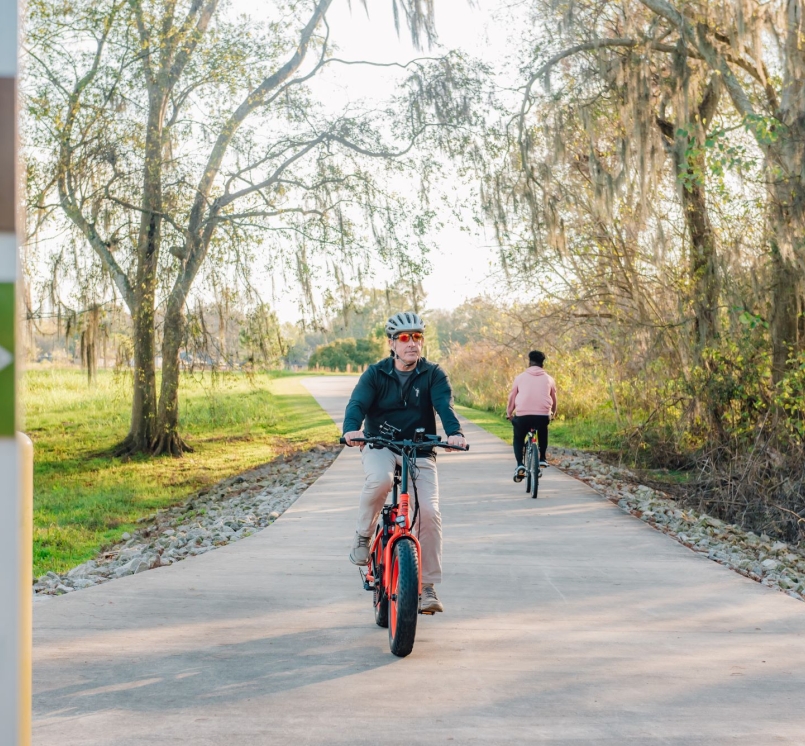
[(702, 260), (787, 201), (143, 431), (787, 289), (702, 265), (787, 219), (168, 439)]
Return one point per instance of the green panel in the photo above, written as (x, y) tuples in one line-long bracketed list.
[(8, 406)]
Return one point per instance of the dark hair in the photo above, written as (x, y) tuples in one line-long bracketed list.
[(535, 357)]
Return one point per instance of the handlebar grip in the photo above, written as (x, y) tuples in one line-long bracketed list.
[(343, 441), (456, 448)]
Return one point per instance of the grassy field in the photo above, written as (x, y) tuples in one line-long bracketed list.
[(599, 435), (582, 433), (85, 499)]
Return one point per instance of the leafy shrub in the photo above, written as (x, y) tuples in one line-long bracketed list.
[(481, 374), (339, 354)]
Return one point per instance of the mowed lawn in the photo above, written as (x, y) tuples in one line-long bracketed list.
[(85, 499)]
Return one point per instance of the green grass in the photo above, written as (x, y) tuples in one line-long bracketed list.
[(84, 499), (597, 434), (587, 434)]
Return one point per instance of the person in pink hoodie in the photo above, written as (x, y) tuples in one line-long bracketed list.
[(531, 406)]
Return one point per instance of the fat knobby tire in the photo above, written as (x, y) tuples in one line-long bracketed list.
[(401, 635)]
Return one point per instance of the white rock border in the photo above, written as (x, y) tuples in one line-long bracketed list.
[(229, 511), (772, 563)]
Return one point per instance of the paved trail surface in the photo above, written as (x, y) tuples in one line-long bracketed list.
[(568, 622)]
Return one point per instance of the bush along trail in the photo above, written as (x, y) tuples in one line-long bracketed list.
[(230, 510), (772, 563)]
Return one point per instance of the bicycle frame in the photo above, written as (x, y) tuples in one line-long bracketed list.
[(396, 517), (396, 525), (531, 437)]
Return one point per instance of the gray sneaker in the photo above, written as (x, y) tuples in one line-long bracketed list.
[(430, 602), (519, 473), (360, 550)]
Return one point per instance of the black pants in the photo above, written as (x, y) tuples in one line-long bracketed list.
[(522, 425)]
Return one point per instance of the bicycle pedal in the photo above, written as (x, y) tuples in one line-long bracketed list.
[(427, 613)]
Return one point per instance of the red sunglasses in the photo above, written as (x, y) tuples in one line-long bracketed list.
[(406, 337)]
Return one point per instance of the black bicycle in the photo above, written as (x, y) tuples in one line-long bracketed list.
[(394, 575), (531, 462)]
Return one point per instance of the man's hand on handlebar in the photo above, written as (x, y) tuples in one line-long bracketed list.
[(348, 437), (456, 440)]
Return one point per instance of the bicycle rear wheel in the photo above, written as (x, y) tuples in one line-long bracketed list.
[(526, 462), (379, 598), (404, 600), (381, 608), (534, 471)]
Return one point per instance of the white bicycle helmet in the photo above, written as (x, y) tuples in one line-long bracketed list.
[(406, 321)]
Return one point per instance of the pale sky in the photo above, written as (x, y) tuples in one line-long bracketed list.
[(464, 260)]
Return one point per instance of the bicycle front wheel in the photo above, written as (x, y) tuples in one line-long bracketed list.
[(404, 599)]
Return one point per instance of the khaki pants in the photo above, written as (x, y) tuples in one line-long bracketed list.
[(378, 466)]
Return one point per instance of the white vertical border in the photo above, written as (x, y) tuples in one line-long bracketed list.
[(11, 613), (15, 598), (8, 255), (8, 39)]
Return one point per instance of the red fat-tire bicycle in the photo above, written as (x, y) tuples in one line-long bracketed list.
[(394, 576)]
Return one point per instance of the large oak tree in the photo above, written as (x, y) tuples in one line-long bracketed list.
[(171, 132)]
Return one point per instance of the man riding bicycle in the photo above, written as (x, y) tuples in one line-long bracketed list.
[(533, 398), (402, 391)]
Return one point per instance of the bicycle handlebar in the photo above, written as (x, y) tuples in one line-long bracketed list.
[(399, 444)]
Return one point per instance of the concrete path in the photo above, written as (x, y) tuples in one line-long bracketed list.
[(567, 622)]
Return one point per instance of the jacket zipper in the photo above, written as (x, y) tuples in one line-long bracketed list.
[(399, 383)]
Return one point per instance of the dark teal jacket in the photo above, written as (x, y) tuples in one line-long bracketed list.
[(378, 397)]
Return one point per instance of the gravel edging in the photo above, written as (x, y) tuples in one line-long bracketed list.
[(772, 563), (224, 513)]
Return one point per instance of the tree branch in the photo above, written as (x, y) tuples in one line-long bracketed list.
[(716, 61), (66, 193), (252, 101), (189, 38), (145, 40), (227, 199)]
